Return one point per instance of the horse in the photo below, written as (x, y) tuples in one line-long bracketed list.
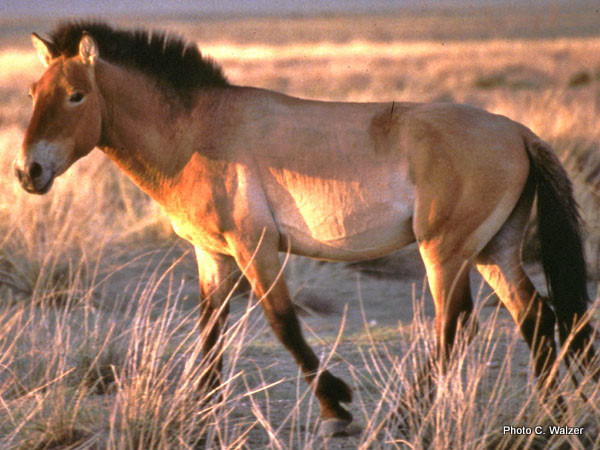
[(246, 173)]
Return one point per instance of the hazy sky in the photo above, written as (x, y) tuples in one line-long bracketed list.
[(53, 8), (199, 7)]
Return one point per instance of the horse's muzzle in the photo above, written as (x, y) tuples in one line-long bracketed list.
[(34, 179)]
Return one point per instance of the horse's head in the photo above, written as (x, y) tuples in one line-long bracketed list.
[(66, 120)]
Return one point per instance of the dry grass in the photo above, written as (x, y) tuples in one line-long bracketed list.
[(100, 341), (126, 377)]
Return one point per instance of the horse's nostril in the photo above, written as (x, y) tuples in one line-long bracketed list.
[(35, 170)]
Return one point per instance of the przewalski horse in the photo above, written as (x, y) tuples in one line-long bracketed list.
[(246, 173)]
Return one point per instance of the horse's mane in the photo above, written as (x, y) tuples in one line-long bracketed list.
[(174, 63)]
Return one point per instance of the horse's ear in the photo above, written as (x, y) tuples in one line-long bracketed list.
[(88, 50), (44, 49)]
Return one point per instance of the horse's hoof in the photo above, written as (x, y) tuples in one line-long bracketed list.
[(334, 427)]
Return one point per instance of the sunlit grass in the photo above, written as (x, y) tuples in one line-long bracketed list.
[(127, 377), (100, 344)]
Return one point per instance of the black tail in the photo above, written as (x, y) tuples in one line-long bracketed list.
[(560, 234)]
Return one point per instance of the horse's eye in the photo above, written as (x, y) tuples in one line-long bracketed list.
[(76, 97)]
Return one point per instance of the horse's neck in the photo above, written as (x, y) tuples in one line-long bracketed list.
[(139, 130)]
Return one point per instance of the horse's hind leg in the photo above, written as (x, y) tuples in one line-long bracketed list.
[(440, 239), (501, 266), (449, 284)]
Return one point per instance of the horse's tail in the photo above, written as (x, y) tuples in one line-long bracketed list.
[(560, 234)]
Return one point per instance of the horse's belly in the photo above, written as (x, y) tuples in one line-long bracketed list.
[(343, 216), (375, 241)]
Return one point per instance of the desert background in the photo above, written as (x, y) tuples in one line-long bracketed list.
[(98, 297)]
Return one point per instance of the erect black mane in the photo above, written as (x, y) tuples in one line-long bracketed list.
[(176, 64)]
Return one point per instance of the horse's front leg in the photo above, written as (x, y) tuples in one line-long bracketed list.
[(262, 268), (216, 275)]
